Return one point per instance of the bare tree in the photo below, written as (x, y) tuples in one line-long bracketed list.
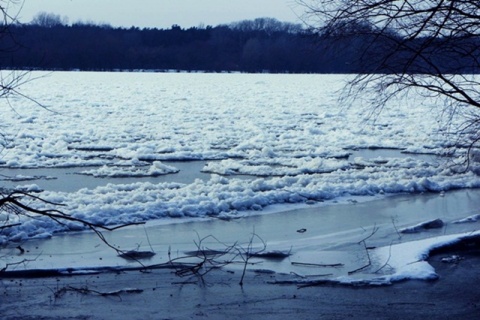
[(429, 48), (49, 20)]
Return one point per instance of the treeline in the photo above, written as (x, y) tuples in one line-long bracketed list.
[(260, 45), (249, 46)]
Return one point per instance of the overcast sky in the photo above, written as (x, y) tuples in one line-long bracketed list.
[(162, 13)]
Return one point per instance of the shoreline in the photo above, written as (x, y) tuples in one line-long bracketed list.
[(160, 294), (318, 234)]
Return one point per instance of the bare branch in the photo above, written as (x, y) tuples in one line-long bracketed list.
[(427, 48)]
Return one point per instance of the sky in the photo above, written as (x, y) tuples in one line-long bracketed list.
[(162, 13)]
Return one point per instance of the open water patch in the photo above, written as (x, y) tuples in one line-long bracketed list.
[(72, 179)]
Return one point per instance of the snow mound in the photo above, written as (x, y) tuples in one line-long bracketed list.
[(156, 169)]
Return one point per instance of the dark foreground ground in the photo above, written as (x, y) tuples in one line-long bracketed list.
[(159, 295)]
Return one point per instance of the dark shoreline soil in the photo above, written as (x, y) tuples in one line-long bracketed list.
[(159, 294)]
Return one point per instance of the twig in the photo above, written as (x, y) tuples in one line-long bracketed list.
[(363, 241), (4, 269), (388, 259), (374, 230), (311, 276), (396, 229), (85, 290), (246, 254), (210, 259), (334, 265), (10, 226), (365, 266), (148, 239), (14, 202)]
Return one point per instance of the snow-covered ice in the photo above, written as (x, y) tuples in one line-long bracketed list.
[(265, 139), (288, 131), (156, 169), (408, 260), (98, 119)]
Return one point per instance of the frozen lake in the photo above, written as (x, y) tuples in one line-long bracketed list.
[(127, 147), (194, 155)]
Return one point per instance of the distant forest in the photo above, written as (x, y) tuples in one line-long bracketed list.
[(260, 45)]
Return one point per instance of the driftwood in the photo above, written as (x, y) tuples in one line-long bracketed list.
[(432, 224), (273, 255), (85, 290), (334, 265), (136, 255)]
